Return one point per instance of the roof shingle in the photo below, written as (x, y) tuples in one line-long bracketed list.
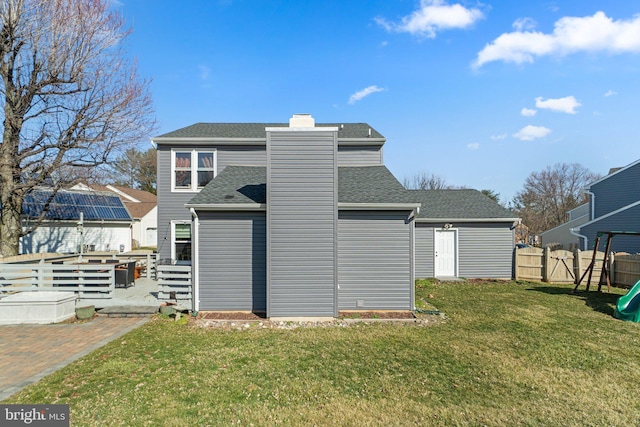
[(257, 130)]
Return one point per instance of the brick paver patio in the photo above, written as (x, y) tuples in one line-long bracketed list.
[(30, 352)]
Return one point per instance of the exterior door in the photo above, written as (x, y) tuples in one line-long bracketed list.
[(446, 252)]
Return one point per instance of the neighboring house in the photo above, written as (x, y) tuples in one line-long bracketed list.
[(143, 207), (562, 235), (298, 220), (106, 224), (614, 205), (463, 233)]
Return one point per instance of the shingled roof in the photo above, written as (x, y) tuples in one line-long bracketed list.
[(358, 184), (257, 131), (459, 204)]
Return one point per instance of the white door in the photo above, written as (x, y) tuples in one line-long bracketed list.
[(445, 253)]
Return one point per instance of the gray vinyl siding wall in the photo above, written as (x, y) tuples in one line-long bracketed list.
[(485, 250), (302, 223), (374, 261), (424, 250), (241, 156), (627, 220), (618, 191), (359, 155), (232, 261), (170, 205)]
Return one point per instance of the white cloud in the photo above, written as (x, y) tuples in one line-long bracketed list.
[(567, 104), (610, 93), (597, 33), (473, 146), (524, 24), (364, 93), (498, 137), (529, 133), (527, 112), (433, 16)]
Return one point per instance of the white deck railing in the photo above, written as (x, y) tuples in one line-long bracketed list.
[(87, 280), (174, 282)]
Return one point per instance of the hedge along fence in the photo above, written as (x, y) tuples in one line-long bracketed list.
[(559, 266)]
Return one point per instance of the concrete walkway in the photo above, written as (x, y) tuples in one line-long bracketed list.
[(30, 352)]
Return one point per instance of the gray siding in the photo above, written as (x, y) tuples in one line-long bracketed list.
[(424, 251), (359, 155), (170, 205), (232, 261), (627, 220), (241, 156), (374, 261), (301, 215), (484, 250), (617, 191)]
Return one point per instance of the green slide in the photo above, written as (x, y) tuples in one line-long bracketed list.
[(628, 306)]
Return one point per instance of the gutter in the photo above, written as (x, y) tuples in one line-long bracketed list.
[(580, 236), (467, 219), (195, 303), (592, 205)]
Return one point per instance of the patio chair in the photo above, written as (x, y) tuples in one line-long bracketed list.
[(131, 272), (121, 277)]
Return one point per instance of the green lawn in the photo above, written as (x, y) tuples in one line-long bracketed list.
[(507, 354)]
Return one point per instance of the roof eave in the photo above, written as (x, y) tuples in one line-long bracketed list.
[(228, 207), (378, 206), (467, 219), (253, 141)]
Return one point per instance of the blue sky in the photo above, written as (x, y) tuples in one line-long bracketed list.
[(482, 94)]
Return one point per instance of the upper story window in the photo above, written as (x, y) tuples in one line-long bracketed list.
[(192, 170)]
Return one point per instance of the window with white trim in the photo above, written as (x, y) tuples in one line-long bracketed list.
[(191, 170), (181, 249)]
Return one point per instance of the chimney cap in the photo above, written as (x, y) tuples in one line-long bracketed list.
[(302, 120)]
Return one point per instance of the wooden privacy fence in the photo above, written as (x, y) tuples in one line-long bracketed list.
[(559, 266), (86, 280), (626, 268), (174, 282)]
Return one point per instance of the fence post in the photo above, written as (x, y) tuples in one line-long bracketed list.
[(546, 261), (577, 265), (515, 263)]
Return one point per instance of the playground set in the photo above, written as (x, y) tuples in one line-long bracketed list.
[(628, 305)]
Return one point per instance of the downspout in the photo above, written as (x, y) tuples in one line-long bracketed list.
[(592, 205), (580, 236), (195, 303)]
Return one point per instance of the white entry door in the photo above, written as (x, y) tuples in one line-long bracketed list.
[(446, 253)]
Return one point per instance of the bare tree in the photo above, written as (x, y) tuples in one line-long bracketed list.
[(69, 95), (426, 181), (136, 169), (548, 195)]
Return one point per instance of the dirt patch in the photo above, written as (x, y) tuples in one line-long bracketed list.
[(231, 315), (376, 315)]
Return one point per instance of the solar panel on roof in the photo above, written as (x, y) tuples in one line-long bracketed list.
[(68, 205)]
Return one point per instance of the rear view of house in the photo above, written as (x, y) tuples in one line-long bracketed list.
[(294, 220)]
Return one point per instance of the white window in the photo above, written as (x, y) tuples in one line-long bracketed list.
[(181, 242), (191, 170)]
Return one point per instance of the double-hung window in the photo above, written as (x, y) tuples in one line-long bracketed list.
[(181, 242), (192, 169)]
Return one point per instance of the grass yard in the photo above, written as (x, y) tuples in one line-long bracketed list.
[(507, 354)]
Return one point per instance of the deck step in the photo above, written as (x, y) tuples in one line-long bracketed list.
[(129, 311)]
